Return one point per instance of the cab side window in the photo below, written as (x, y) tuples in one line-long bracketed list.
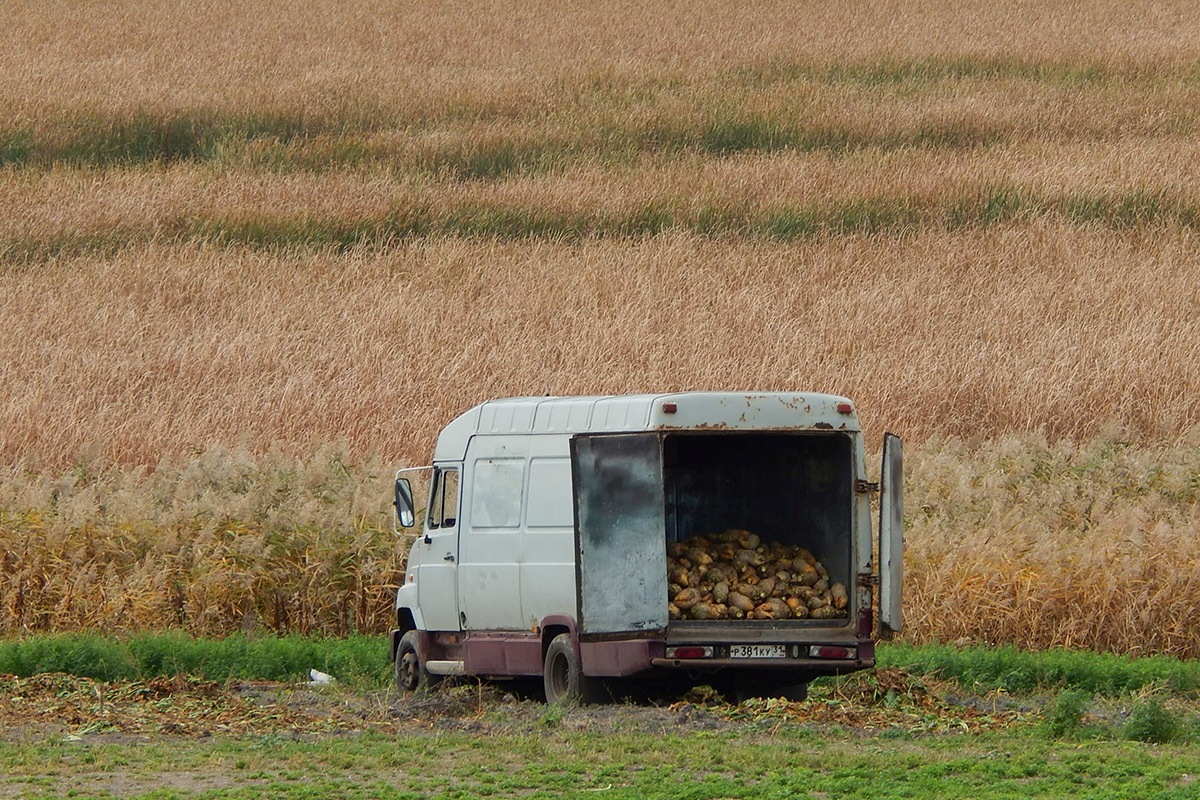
[(443, 506)]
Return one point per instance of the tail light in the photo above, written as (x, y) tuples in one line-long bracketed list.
[(689, 651), (829, 651)]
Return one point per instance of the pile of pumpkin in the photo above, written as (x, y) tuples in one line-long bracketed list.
[(734, 575)]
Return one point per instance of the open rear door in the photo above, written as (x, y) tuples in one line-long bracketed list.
[(891, 536), (620, 533)]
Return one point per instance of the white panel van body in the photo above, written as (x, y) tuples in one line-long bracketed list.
[(545, 540)]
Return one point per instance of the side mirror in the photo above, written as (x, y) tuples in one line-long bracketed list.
[(404, 503)]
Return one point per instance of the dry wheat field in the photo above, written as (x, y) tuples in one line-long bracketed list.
[(251, 259)]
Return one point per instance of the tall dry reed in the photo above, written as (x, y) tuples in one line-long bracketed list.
[(1013, 541), (213, 543), (1010, 540)]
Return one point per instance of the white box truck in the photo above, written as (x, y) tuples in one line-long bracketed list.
[(546, 542)]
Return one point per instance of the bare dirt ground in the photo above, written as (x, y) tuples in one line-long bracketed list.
[(56, 706)]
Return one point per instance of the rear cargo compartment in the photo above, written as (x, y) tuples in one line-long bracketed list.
[(758, 527)]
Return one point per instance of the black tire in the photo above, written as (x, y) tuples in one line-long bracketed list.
[(411, 675), (794, 692), (563, 675), (739, 687)]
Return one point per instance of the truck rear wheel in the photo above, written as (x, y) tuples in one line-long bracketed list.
[(743, 686), (794, 692), (563, 672), (411, 675)]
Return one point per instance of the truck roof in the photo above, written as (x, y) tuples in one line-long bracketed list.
[(700, 411)]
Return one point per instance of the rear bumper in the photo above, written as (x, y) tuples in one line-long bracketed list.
[(624, 657), (816, 666)]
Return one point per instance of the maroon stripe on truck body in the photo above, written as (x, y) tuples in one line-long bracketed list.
[(615, 659), (502, 654)]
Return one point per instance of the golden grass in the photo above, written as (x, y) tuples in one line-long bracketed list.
[(234, 238), (134, 55), (159, 350), (543, 87), (1131, 183)]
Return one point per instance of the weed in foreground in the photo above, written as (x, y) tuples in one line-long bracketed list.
[(553, 715), (1151, 721), (1065, 714)]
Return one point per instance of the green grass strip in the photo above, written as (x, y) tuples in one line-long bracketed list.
[(893, 215), (589, 118), (365, 658), (141, 656), (941, 69), (280, 144), (1010, 669)]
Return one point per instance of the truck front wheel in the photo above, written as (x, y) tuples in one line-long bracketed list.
[(411, 675), (563, 673)]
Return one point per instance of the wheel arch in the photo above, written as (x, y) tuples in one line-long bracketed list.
[(554, 626), (405, 622)]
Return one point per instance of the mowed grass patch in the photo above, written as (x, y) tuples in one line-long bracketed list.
[(804, 762)]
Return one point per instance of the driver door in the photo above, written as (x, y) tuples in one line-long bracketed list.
[(437, 580)]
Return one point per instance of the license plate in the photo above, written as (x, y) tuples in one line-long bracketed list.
[(757, 651)]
